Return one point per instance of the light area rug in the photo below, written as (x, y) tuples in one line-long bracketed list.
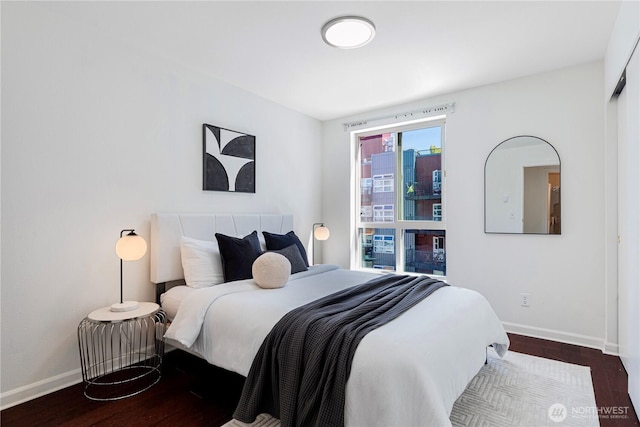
[(519, 390)]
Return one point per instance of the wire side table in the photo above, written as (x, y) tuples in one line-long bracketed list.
[(121, 353)]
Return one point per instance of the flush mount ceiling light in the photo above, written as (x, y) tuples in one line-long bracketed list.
[(348, 32)]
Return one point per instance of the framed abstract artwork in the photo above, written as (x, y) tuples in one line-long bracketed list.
[(229, 160)]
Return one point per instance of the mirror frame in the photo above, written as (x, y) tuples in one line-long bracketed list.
[(486, 192)]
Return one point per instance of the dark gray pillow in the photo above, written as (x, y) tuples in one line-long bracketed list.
[(292, 253), (238, 255), (281, 241)]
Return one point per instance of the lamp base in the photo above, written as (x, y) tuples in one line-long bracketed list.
[(124, 306)]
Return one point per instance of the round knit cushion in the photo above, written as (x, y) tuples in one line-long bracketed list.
[(271, 270)]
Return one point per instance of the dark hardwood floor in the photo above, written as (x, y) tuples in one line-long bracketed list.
[(193, 393)]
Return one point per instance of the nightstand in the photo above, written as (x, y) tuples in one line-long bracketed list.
[(121, 352)]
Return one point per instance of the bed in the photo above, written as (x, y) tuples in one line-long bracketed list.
[(407, 372)]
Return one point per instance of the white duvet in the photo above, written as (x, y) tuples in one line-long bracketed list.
[(408, 372)]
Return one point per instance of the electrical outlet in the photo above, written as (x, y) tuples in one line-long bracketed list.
[(524, 300)]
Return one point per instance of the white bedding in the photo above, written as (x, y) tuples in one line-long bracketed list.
[(408, 372), (171, 300)]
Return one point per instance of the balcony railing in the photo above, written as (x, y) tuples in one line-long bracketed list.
[(423, 191), (414, 257)]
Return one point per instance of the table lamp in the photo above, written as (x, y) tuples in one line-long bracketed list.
[(320, 232), (130, 247)]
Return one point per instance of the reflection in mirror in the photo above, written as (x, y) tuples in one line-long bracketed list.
[(522, 187)]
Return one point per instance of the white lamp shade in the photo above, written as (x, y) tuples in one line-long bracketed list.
[(131, 247), (321, 233)]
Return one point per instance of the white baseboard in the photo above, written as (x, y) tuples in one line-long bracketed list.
[(611, 349), (32, 391), (561, 336), (40, 388)]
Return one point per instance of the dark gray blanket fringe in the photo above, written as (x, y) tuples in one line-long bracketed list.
[(300, 372)]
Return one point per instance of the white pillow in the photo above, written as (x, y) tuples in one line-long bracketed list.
[(172, 299), (271, 270), (201, 262)]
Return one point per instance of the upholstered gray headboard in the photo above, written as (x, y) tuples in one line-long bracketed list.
[(168, 228)]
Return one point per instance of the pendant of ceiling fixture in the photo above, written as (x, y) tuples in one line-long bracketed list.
[(348, 32)]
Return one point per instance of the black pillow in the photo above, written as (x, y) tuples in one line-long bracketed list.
[(238, 255), (292, 253), (281, 241)]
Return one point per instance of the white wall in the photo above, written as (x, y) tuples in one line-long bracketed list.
[(564, 274), (96, 136)]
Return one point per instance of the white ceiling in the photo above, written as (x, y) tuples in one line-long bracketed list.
[(421, 49)]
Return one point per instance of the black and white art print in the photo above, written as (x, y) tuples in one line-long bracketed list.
[(229, 160)]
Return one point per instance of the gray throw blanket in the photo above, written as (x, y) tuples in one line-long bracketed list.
[(300, 372)]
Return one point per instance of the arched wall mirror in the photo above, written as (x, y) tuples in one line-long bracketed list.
[(522, 187)]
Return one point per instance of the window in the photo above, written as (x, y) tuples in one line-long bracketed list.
[(400, 209), (383, 244), (383, 213), (436, 181), (383, 183), (366, 185), (366, 214), (424, 252), (437, 211)]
